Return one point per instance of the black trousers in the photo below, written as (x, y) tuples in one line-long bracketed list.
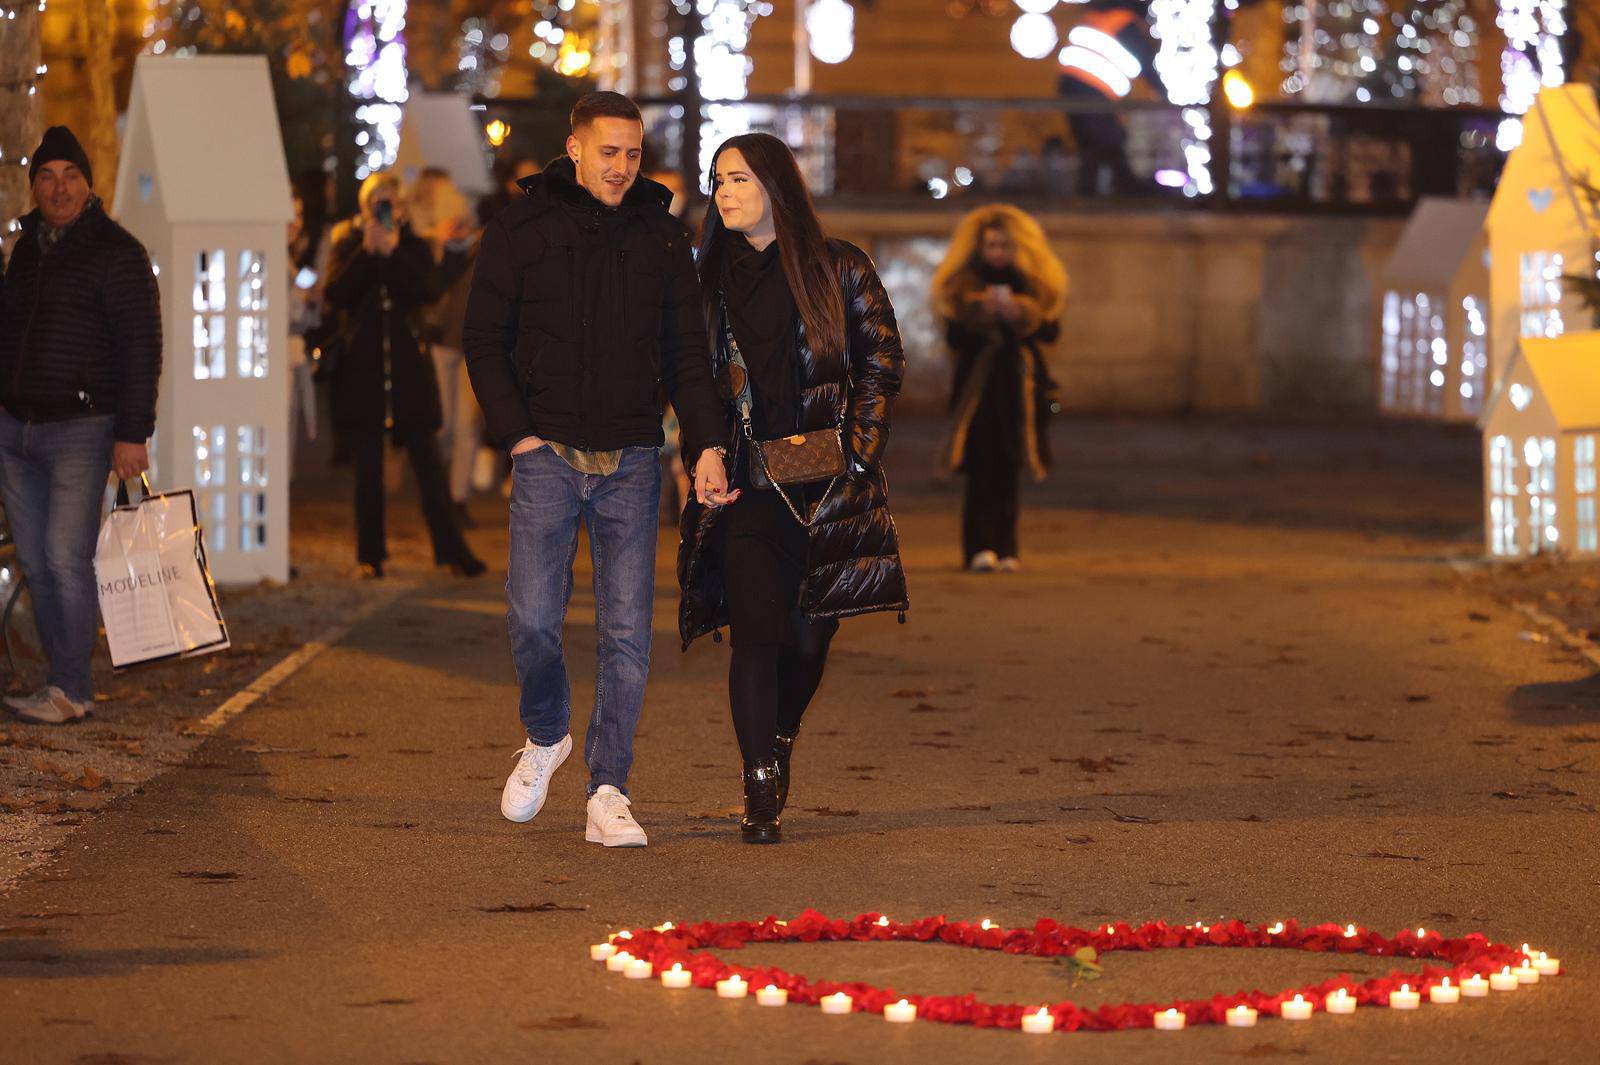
[(366, 454), (990, 508), (778, 655)]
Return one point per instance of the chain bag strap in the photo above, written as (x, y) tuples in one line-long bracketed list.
[(800, 459)]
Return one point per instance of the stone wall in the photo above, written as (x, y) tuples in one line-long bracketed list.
[(1172, 312)]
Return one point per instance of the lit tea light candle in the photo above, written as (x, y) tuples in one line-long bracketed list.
[(1170, 1020), (620, 935), (601, 951), (1040, 1023), (1340, 1002), (1405, 998), (618, 962), (901, 1012), (1349, 931), (1298, 1010), (1444, 993), (772, 995), (733, 987), (676, 977), (666, 927), (638, 969), (882, 922), (1276, 930), (838, 1002), (1475, 986), (1504, 980), (1546, 965), (1241, 1016), (985, 924), (1526, 973)]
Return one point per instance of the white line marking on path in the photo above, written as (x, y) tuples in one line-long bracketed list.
[(242, 700), (1581, 644)]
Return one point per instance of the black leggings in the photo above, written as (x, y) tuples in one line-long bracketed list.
[(771, 684)]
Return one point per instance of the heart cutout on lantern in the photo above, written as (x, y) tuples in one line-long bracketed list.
[(1541, 199), (669, 946)]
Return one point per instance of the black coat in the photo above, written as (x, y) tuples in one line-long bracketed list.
[(1002, 395), (853, 559), (382, 374), (581, 317), (80, 326)]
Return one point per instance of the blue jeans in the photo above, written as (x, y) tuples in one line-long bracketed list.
[(53, 481), (548, 500)]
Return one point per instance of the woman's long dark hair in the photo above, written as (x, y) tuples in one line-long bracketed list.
[(802, 248)]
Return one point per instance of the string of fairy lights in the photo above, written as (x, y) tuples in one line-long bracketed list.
[(1343, 51), (25, 85)]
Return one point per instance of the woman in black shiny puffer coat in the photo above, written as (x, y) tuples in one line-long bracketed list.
[(789, 582)]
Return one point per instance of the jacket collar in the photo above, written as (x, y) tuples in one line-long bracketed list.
[(558, 183), (77, 231)]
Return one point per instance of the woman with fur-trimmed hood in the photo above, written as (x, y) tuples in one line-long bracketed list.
[(1000, 291)]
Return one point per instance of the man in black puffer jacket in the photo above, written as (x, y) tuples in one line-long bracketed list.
[(80, 358), (584, 311)]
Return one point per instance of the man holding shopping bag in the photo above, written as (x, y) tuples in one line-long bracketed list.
[(80, 358)]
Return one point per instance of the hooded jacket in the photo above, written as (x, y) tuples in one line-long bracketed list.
[(582, 317), (80, 326)]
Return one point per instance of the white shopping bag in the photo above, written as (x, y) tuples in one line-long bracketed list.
[(156, 595)]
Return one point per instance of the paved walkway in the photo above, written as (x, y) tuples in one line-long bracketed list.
[(1238, 678)]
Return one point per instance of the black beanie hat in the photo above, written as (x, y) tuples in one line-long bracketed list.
[(59, 144)]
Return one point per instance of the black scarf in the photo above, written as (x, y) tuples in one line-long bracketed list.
[(762, 312)]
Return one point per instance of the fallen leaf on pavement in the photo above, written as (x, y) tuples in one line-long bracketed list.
[(828, 811), (537, 907), (564, 1022), (1133, 819), (205, 874), (1389, 855)]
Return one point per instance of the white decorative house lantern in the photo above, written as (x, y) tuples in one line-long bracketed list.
[(441, 129), (204, 185), (1539, 433), (1434, 347), (1539, 225)]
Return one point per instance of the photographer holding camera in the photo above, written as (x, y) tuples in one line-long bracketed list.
[(380, 277)]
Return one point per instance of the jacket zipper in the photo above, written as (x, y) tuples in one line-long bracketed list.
[(388, 379)]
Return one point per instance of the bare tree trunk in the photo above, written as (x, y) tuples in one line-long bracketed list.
[(19, 112), (100, 139)]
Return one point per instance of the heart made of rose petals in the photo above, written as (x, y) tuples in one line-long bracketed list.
[(667, 945)]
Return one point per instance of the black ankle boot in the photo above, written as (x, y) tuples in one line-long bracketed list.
[(782, 749), (760, 821)]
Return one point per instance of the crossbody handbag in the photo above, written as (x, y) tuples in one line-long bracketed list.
[(788, 461)]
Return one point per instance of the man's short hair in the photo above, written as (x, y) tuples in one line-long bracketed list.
[(604, 105)]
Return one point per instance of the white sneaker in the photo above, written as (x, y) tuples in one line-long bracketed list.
[(1010, 564), (51, 707), (28, 701), (984, 562), (529, 783), (610, 823)]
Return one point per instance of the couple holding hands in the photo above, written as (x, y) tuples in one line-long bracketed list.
[(778, 349)]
